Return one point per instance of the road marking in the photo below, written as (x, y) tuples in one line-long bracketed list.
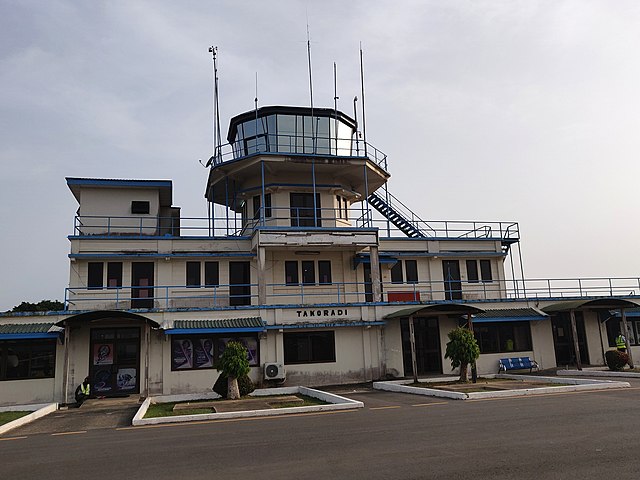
[(68, 433), (241, 419), (11, 438), (555, 394), (429, 404), (385, 407)]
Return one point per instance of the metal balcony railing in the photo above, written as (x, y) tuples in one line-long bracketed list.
[(293, 217), (307, 145), (222, 296)]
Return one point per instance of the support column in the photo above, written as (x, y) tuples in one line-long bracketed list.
[(65, 372), (412, 340), (574, 332), (376, 289), (625, 329), (147, 349), (262, 284)]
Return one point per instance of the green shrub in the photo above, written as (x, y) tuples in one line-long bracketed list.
[(245, 385), (462, 349), (616, 360)]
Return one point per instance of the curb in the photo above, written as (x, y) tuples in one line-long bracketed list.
[(337, 403), (39, 411), (599, 373), (576, 385)]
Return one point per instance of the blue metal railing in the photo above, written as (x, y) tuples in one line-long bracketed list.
[(220, 296), (296, 217), (299, 145)]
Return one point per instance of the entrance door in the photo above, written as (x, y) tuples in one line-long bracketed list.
[(239, 283), (452, 283), (141, 277), (427, 335), (114, 365), (563, 339)]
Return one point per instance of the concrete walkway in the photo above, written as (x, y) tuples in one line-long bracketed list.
[(93, 414)]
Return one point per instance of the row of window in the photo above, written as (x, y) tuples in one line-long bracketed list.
[(24, 359), (485, 271), (301, 206), (503, 337), (410, 271), (198, 352), (293, 270), (614, 327), (404, 271)]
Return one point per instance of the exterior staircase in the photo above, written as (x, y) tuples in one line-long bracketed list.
[(396, 216)]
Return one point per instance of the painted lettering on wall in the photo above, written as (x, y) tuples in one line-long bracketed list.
[(332, 312)]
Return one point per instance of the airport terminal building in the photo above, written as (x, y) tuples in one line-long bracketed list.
[(308, 260)]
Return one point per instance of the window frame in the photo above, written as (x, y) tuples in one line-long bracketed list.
[(114, 272), (472, 271), (497, 330), (219, 341), (291, 267), (486, 275), (193, 279), (327, 272), (309, 347), (30, 344), (95, 279)]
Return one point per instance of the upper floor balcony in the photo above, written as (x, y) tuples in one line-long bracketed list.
[(220, 296), (289, 218)]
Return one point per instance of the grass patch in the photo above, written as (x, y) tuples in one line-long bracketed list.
[(6, 417), (166, 410), (486, 385), (307, 402)]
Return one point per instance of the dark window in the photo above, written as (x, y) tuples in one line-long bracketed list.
[(95, 275), (114, 274), (309, 347), (308, 272), (396, 273), (211, 274), (198, 352), (472, 271), (257, 200), (22, 359), (302, 211), (503, 337), (339, 209), (411, 269), (140, 208), (485, 270), (291, 273), (324, 272), (193, 274)]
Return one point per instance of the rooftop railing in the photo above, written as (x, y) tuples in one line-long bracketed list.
[(222, 296), (289, 217), (299, 145)]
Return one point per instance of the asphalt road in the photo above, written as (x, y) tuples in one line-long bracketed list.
[(588, 435)]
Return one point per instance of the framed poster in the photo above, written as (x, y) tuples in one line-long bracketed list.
[(181, 354), (103, 354), (203, 353)]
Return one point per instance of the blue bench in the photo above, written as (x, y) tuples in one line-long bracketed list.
[(517, 363)]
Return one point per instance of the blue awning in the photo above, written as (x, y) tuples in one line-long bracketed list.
[(219, 326), (510, 315), (29, 331)]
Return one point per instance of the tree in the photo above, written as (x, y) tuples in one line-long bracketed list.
[(462, 349), (41, 306), (234, 363)]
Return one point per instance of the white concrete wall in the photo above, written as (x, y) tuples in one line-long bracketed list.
[(116, 202)]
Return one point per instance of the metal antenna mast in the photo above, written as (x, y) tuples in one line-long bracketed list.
[(217, 137), (364, 123), (335, 102), (310, 83)]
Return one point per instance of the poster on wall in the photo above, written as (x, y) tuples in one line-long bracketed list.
[(182, 357), (127, 378), (203, 356), (103, 354), (102, 380), (250, 343)]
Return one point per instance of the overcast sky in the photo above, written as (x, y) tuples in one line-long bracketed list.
[(488, 110)]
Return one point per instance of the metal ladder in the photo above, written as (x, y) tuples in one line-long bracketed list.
[(398, 218)]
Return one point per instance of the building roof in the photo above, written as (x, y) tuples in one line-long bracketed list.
[(16, 331), (221, 325), (164, 186), (510, 315)]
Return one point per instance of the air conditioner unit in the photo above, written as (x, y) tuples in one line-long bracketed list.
[(273, 371)]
